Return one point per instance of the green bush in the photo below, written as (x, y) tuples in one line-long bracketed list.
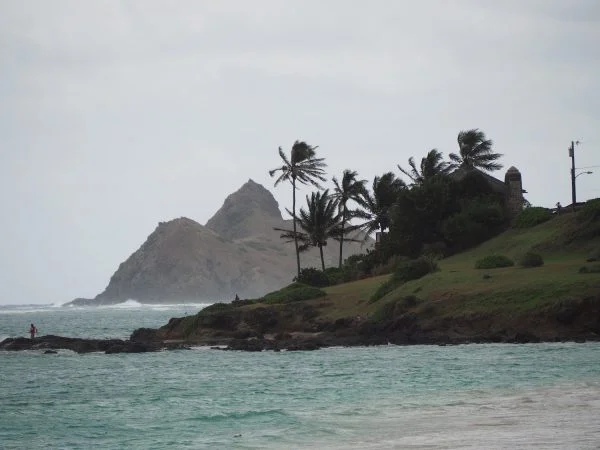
[(389, 266), (479, 220), (531, 217), (406, 271), (414, 269), (336, 275), (592, 268), (312, 277), (332, 276), (436, 250), (594, 255), (590, 211), (293, 293), (494, 262), (531, 259)]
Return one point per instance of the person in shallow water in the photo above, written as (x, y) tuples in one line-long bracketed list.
[(32, 331)]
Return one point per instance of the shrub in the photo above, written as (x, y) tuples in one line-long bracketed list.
[(590, 211), (334, 275), (312, 277), (592, 268), (531, 217), (295, 292), (494, 262), (406, 271), (594, 255), (414, 269), (331, 276), (479, 220), (531, 259), (436, 250), (389, 266)]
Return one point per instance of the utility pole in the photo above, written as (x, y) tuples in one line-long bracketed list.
[(573, 194), (573, 191)]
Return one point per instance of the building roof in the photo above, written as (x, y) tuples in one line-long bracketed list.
[(498, 186)]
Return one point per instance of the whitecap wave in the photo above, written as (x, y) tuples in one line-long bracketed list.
[(24, 309), (126, 304), (190, 306), (134, 304)]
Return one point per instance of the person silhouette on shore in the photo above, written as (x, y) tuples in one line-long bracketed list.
[(32, 331)]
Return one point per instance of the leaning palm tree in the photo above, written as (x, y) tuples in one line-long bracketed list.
[(475, 152), (349, 189), (432, 165), (319, 222), (376, 206), (302, 167)]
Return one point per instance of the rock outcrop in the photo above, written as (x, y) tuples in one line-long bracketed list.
[(236, 252), (50, 343)]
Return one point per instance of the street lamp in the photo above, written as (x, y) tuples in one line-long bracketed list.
[(584, 173)]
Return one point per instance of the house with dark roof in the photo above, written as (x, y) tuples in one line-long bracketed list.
[(511, 187)]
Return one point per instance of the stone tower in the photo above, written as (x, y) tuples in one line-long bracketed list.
[(514, 191)]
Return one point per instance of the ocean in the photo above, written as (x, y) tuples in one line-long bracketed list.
[(481, 396)]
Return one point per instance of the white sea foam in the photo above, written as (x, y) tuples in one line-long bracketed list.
[(24, 309), (134, 304), (126, 304)]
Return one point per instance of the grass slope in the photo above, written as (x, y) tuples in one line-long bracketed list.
[(460, 290)]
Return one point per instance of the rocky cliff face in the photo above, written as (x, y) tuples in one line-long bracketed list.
[(237, 252), (248, 212)]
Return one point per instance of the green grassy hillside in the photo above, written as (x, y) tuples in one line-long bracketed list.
[(459, 289)]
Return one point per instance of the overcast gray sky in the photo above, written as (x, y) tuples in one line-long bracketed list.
[(115, 115)]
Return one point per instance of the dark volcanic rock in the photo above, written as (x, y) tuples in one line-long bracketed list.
[(144, 335), (78, 345)]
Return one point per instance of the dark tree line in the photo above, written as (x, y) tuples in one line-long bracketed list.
[(435, 212)]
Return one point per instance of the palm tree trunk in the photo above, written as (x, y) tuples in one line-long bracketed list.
[(294, 221), (342, 236), (322, 259)]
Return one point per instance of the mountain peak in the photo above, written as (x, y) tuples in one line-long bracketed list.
[(249, 211)]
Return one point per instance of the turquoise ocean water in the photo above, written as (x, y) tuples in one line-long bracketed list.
[(468, 396)]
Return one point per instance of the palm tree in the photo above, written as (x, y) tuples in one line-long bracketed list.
[(432, 164), (349, 189), (320, 222), (376, 206), (475, 152), (302, 167)]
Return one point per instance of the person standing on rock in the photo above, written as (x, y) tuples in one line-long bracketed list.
[(32, 331)]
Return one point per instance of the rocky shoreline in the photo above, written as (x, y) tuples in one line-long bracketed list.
[(306, 326), (307, 342), (51, 343)]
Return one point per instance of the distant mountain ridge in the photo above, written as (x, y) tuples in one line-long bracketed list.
[(237, 252)]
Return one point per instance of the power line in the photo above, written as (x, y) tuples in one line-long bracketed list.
[(588, 167)]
